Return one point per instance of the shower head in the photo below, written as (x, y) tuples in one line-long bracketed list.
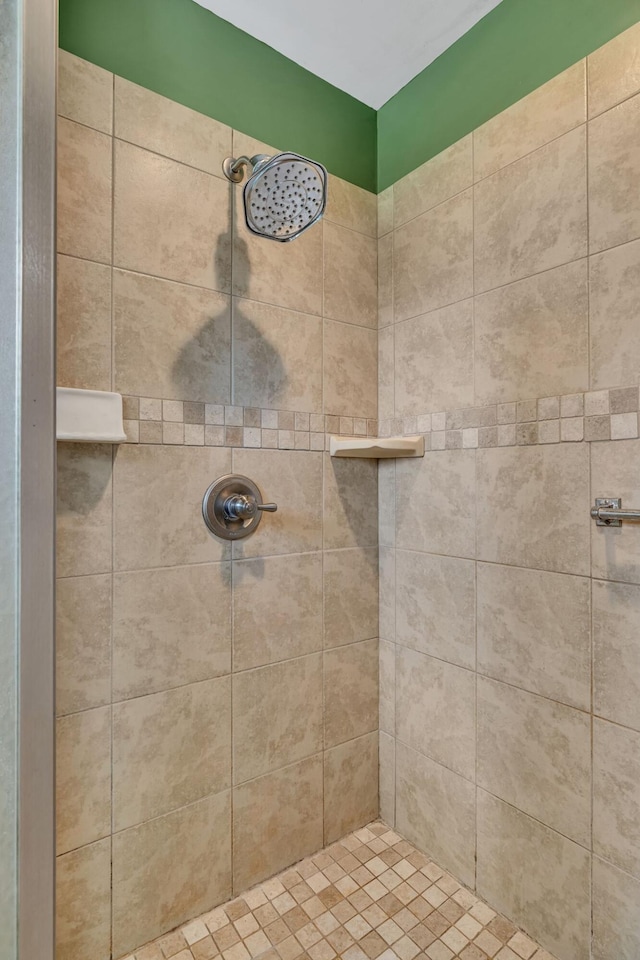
[(284, 195)]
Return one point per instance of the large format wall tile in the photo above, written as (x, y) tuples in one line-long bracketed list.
[(170, 340), (277, 609), (553, 109), (536, 755), (614, 307), (615, 472), (387, 684), (170, 627), (534, 631), (533, 507), (170, 749), (351, 206), (164, 873), (350, 369), (277, 716), (83, 643), (434, 361), (166, 127), (532, 215), (350, 276), (616, 795), (435, 503), (350, 691), (616, 652), (170, 220), (84, 192), (535, 876), (387, 778), (614, 170), (277, 357), (263, 840), (83, 324), (350, 786), (83, 903), (440, 178), (531, 337), (385, 280), (616, 913), (350, 498), (614, 71), (385, 211), (435, 809), (158, 514), (83, 778), (350, 596), (386, 372), (436, 710), (387, 593), (85, 92), (83, 543), (435, 606)]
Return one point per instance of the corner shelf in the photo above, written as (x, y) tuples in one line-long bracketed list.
[(89, 416), (376, 448)]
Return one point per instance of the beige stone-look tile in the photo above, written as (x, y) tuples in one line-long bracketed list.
[(385, 280), (170, 220), (387, 501), (277, 609), (434, 360), (616, 913), (350, 596), (170, 627), (350, 276), (533, 507), (435, 606), (84, 192), (615, 551), (84, 509), (284, 274), (534, 631), (83, 903), (387, 778), (85, 92), (616, 655), (551, 110), (387, 684), (433, 258), (350, 496), (616, 795), (83, 643), (83, 324), (351, 206), (386, 373), (170, 749), (440, 178), (158, 493), (350, 691), (170, 340), (435, 503), (387, 593), (292, 479), (277, 716), (83, 778), (164, 126), (385, 211), (536, 755), (614, 71), (350, 786), (263, 840), (614, 305), (164, 872), (532, 215), (614, 169), (277, 357), (435, 809), (534, 876), (531, 337), (350, 370), (435, 710)]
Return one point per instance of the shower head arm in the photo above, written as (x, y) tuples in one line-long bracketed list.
[(234, 167)]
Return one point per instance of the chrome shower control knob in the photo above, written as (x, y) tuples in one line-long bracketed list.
[(232, 507)]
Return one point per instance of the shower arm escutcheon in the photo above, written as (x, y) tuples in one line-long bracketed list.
[(232, 507), (234, 167)]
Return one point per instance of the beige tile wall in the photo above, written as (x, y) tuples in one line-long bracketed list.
[(510, 624), (218, 707)]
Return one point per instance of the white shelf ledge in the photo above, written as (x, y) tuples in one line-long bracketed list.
[(89, 416), (376, 448)]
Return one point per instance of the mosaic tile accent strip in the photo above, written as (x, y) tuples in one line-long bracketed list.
[(371, 896)]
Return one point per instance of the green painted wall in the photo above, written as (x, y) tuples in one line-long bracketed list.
[(518, 46), (186, 53)]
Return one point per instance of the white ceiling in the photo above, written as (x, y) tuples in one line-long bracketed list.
[(369, 48)]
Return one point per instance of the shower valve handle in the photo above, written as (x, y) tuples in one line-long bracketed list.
[(241, 507)]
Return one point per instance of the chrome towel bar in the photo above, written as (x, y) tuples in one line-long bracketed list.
[(608, 512)]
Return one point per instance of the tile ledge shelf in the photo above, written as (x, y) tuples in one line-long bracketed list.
[(89, 416), (377, 448)]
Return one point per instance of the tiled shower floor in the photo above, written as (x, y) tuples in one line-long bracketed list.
[(371, 896)]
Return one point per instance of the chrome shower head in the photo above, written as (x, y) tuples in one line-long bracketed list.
[(284, 195)]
